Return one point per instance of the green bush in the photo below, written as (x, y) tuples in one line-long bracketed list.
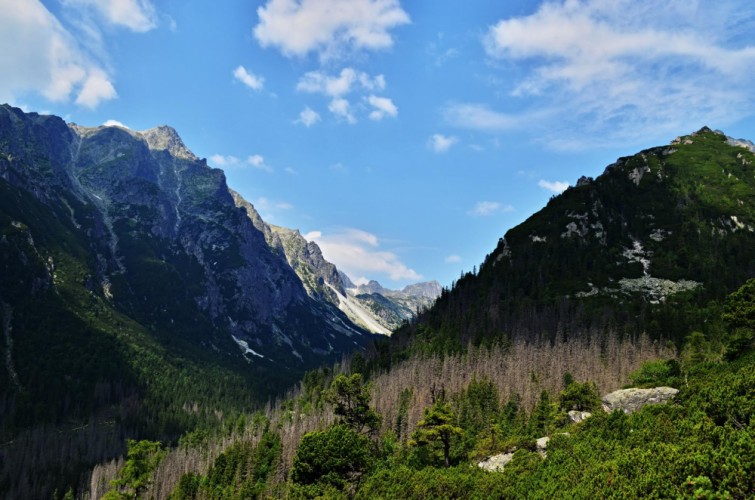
[(336, 456)]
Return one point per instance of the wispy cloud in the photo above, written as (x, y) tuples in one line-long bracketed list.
[(486, 208), (440, 143), (359, 253), (452, 259), (47, 58), (249, 79), (617, 71), (554, 187), (265, 204), (330, 28), (477, 116), (137, 15), (258, 162)]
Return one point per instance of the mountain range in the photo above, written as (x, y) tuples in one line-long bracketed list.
[(125, 242)]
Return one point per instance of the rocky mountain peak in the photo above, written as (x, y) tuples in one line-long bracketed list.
[(166, 138)]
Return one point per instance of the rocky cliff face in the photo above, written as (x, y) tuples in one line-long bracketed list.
[(171, 246)]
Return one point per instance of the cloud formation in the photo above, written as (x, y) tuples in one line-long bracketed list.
[(249, 79), (258, 162), (440, 143), (556, 187), (477, 116), (338, 87), (330, 28), (383, 107), (358, 253), (221, 161), (630, 66), (46, 58), (486, 208), (137, 15), (308, 117), (114, 123), (452, 259)]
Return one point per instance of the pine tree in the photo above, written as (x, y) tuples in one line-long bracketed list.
[(437, 430)]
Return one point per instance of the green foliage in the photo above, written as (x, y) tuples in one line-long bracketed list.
[(336, 456), (543, 417), (655, 373), (141, 461), (351, 401), (739, 316), (580, 396), (436, 433)]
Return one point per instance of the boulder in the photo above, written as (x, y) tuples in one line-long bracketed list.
[(542, 445), (631, 400), (496, 462), (576, 416)]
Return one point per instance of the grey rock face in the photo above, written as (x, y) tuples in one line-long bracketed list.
[(576, 416), (631, 400), (156, 215), (496, 463)]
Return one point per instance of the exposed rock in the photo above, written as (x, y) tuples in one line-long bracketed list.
[(576, 416), (542, 445), (631, 400), (496, 463)]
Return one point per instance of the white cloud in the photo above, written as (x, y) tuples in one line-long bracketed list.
[(136, 15), (221, 161), (554, 187), (486, 208), (620, 70), (258, 162), (46, 58), (342, 109), (452, 259), (441, 143), (308, 117), (383, 107), (114, 123), (338, 87), (358, 253), (479, 117), (330, 28), (249, 79), (96, 88), (265, 204)]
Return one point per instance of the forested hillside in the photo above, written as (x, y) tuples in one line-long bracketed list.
[(643, 248)]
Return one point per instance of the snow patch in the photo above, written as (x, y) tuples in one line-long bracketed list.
[(357, 313), (245, 347)]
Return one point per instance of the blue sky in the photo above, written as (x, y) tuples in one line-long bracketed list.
[(405, 137)]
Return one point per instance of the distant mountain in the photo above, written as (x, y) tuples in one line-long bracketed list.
[(370, 306), (641, 248)]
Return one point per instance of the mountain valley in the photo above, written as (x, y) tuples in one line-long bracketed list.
[(149, 311)]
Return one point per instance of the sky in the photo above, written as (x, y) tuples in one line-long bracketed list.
[(404, 137)]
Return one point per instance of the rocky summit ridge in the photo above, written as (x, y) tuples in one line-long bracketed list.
[(167, 243)]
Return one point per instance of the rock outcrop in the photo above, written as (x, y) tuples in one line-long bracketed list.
[(631, 400), (576, 416)]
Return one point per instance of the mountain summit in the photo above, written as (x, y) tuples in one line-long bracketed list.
[(638, 249)]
